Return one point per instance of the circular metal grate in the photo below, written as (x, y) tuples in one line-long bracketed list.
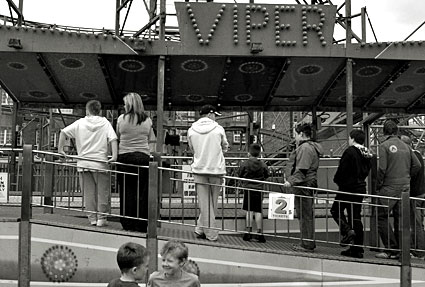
[(310, 70), (194, 65), (369, 71), (404, 89), (71, 63), (251, 68), (59, 263), (38, 94), (243, 97), (17, 66), (195, 98), (132, 66), (89, 96)]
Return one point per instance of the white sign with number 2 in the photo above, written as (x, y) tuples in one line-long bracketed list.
[(281, 206)]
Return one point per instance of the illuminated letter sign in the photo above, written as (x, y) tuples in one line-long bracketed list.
[(221, 28)]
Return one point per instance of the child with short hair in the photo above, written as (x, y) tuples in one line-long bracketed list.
[(174, 256), (93, 135), (253, 168), (133, 260)]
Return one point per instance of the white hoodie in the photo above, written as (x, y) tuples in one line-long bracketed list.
[(208, 141), (92, 135)]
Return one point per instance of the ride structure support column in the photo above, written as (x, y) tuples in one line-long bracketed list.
[(348, 69), (406, 269), (24, 253), (13, 166), (161, 84), (152, 236), (349, 98)]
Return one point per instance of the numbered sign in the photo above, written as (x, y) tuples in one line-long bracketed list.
[(281, 206), (3, 186)]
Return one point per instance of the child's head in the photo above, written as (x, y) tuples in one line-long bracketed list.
[(93, 107), (254, 150), (357, 136), (174, 255), (133, 259)]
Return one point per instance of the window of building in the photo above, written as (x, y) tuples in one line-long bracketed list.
[(185, 116), (5, 99), (239, 116), (237, 137), (182, 134), (63, 111), (53, 140), (5, 136)]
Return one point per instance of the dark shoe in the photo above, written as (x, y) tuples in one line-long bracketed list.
[(200, 235), (260, 238), (348, 238), (351, 253), (416, 255), (301, 249), (247, 237)]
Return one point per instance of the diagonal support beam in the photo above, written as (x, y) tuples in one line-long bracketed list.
[(371, 118), (52, 78), (416, 101), (277, 81), (331, 84), (123, 5), (147, 26), (108, 80), (391, 78), (15, 8)]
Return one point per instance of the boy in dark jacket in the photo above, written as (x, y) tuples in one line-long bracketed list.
[(350, 176), (253, 168)]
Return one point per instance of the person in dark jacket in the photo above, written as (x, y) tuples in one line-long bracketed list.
[(417, 189), (301, 172), (396, 165), (354, 167), (256, 169)]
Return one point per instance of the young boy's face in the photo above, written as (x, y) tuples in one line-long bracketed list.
[(171, 264), (140, 271)]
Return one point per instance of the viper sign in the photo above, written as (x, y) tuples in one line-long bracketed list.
[(281, 206)]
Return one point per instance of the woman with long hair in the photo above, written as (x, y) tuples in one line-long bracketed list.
[(134, 128)]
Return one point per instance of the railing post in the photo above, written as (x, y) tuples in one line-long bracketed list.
[(158, 158), (49, 169), (152, 240), (406, 270), (24, 256)]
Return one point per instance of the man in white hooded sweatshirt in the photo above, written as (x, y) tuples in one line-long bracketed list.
[(92, 135), (207, 139)]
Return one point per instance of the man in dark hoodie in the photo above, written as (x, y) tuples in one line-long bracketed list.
[(396, 165), (301, 171), (354, 167)]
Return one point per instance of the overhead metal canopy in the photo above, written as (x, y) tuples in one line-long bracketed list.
[(256, 57)]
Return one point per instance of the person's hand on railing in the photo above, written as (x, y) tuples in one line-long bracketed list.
[(112, 160), (63, 155), (287, 184)]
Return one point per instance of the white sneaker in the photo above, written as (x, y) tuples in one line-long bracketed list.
[(93, 222), (101, 222)]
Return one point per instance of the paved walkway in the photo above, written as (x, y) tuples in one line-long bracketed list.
[(276, 245)]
